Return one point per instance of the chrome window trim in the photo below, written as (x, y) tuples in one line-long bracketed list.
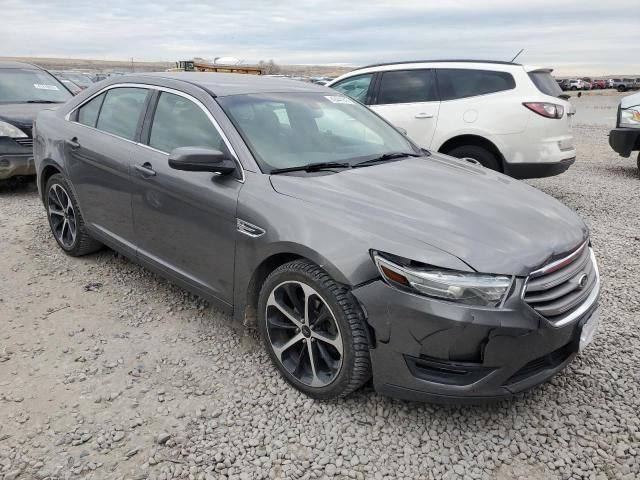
[(209, 115)]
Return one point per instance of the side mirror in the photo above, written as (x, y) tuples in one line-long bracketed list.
[(196, 159)]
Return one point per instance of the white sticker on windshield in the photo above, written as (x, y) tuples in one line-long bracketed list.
[(339, 99), (42, 86)]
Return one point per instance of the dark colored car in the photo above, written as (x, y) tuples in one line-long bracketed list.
[(625, 138), (25, 90), (357, 253), (72, 87), (80, 79)]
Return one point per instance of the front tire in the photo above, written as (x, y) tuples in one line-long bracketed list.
[(314, 331), (65, 219), (482, 155)]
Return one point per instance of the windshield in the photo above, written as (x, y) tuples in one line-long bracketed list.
[(546, 84), (19, 85), (286, 130)]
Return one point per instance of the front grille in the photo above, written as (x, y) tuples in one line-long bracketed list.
[(25, 142), (562, 287)]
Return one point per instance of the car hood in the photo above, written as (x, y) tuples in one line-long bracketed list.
[(493, 223), (630, 100), (22, 114)]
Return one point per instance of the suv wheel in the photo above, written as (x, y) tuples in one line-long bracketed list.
[(621, 88), (482, 155), (314, 331), (65, 220)]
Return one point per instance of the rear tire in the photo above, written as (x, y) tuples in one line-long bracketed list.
[(314, 331), (481, 154), (622, 88), (65, 219)]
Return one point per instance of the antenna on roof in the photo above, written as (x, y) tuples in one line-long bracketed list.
[(517, 55)]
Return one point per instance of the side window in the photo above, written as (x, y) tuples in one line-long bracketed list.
[(88, 113), (356, 87), (461, 83), (178, 122), (407, 86), (121, 111)]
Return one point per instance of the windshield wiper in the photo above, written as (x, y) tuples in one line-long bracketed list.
[(386, 157), (42, 101), (312, 167)]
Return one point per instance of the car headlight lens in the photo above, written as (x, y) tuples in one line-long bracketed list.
[(460, 287), (8, 130), (630, 117)]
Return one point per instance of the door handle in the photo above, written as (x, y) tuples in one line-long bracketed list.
[(73, 143), (146, 170), (424, 115)]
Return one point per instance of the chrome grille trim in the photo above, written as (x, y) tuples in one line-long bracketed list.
[(556, 296), (25, 142)]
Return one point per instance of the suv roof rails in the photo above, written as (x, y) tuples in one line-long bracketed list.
[(497, 62)]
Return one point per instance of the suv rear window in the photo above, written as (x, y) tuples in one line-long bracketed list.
[(545, 83), (462, 83), (407, 86)]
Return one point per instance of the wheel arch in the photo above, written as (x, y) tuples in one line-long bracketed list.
[(470, 139), (245, 308), (48, 169)]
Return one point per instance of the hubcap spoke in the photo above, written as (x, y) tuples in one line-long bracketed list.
[(304, 333)]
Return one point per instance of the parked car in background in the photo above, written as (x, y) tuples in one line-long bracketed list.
[(355, 252), (599, 84), (576, 84), (625, 138), (563, 84), (73, 88), (622, 84), (25, 90), (80, 79), (587, 83), (506, 116)]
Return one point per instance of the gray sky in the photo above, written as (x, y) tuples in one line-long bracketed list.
[(588, 37)]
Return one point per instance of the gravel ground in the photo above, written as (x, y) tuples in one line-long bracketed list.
[(108, 371)]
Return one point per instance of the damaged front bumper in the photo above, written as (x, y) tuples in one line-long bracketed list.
[(15, 158), (429, 350)]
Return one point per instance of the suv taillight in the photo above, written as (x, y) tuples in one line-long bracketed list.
[(548, 110)]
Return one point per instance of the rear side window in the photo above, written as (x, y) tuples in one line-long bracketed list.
[(462, 83), (407, 86), (88, 113), (356, 87), (178, 122), (121, 111), (545, 83)]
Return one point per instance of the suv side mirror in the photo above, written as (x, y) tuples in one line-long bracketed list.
[(196, 159)]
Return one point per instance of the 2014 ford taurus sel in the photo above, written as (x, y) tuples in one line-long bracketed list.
[(356, 253)]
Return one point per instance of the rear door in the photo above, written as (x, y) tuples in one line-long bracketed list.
[(409, 99), (185, 222), (98, 152)]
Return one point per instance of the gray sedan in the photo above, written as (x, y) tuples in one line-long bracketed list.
[(296, 209)]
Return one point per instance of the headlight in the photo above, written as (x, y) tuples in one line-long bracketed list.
[(8, 130), (460, 287), (630, 117)]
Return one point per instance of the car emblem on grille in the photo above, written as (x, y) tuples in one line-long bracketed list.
[(582, 281)]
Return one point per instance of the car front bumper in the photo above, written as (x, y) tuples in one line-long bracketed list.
[(15, 159), (624, 140), (428, 350)]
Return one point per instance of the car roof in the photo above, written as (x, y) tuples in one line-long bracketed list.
[(224, 84), (7, 64), (408, 62)]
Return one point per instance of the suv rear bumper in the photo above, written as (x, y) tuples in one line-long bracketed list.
[(537, 170), (624, 140)]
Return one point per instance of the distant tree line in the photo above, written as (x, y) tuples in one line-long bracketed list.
[(270, 67)]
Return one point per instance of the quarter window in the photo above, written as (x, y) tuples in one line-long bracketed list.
[(407, 86), (178, 122), (120, 112), (356, 87), (88, 113), (456, 83)]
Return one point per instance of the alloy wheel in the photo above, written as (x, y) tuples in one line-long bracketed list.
[(62, 215), (304, 334)]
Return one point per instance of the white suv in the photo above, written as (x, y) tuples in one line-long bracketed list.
[(507, 116)]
